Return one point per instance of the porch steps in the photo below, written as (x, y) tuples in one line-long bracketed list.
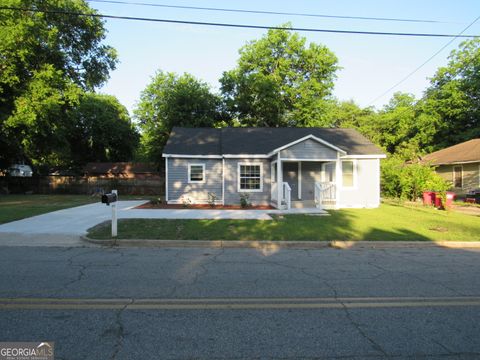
[(305, 204)]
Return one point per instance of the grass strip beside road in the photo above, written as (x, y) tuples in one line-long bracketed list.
[(390, 222)]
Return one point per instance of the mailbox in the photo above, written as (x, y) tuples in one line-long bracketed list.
[(109, 198)]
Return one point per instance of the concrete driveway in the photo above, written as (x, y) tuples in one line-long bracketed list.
[(59, 228), (64, 227)]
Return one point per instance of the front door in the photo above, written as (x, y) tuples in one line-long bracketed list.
[(290, 175)]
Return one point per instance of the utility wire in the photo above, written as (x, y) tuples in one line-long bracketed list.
[(267, 12), (245, 26), (424, 63)]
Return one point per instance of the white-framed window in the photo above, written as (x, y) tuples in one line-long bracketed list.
[(196, 173), (250, 177), (458, 176), (349, 174)]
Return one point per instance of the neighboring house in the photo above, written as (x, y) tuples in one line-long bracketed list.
[(303, 167), (459, 164)]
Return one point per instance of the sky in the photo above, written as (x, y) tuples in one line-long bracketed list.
[(370, 64)]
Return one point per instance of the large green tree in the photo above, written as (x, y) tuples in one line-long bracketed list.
[(47, 59), (454, 96), (173, 100), (280, 81), (101, 130)]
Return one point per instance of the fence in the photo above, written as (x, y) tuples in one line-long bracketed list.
[(146, 185)]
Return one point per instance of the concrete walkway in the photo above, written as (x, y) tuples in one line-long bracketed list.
[(64, 227)]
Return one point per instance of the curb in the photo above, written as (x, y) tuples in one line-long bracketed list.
[(250, 244)]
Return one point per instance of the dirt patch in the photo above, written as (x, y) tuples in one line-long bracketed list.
[(469, 210), (439, 229), (202, 207)]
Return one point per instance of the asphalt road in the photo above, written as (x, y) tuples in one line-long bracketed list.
[(132, 303)]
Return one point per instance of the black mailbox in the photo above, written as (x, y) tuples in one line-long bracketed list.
[(109, 198)]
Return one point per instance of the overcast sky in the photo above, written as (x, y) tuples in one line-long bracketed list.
[(371, 64)]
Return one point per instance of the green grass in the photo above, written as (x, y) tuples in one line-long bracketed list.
[(389, 222), (16, 207)]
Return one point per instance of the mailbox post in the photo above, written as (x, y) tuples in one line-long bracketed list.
[(114, 214), (108, 199)]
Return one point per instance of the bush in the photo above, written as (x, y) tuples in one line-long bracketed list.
[(212, 197), (244, 201), (409, 181)]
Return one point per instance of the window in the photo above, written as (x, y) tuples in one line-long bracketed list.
[(196, 173), (457, 177), (250, 177), (348, 174)]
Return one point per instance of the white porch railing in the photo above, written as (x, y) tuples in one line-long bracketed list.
[(287, 195), (325, 194)]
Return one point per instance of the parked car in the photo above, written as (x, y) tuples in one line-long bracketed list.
[(20, 170)]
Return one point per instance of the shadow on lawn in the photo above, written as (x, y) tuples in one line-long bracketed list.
[(340, 225)]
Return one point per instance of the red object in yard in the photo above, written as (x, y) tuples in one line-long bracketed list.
[(450, 196), (428, 197)]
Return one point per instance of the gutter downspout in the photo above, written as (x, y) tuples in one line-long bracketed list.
[(223, 181), (166, 179), (338, 180), (279, 182)]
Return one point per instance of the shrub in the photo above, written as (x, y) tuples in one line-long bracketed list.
[(186, 202), (408, 181), (212, 197), (244, 201)]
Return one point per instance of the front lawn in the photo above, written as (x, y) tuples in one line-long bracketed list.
[(389, 222), (16, 207)]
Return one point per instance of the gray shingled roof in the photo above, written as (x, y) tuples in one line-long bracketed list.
[(249, 141)]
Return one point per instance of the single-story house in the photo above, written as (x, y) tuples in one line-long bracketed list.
[(281, 167), (459, 164)]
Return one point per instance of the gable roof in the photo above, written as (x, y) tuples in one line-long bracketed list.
[(261, 141), (468, 151)]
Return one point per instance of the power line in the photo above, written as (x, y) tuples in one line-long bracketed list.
[(267, 12), (424, 63), (245, 26)]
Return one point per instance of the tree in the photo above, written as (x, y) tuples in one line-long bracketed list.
[(172, 100), (38, 125), (453, 96), (46, 59), (101, 131), (280, 81)]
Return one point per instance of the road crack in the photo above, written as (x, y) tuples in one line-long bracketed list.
[(120, 330)]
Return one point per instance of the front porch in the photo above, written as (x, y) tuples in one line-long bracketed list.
[(305, 184)]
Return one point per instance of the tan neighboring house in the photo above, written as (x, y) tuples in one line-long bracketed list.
[(459, 164)]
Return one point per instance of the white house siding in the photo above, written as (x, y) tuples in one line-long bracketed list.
[(366, 192), (308, 149), (178, 185), (232, 195)]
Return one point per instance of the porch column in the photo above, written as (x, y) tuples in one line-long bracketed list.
[(279, 182), (338, 180)]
